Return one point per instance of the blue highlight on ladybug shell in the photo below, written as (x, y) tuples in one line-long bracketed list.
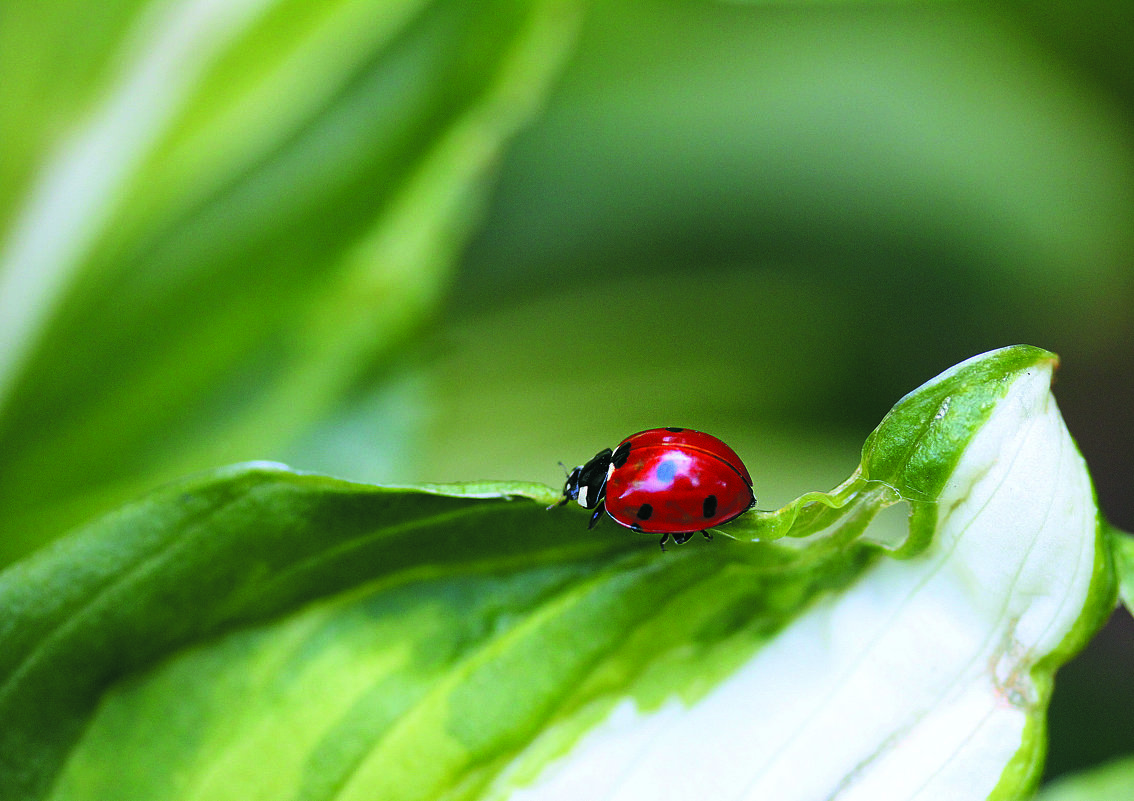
[(665, 472)]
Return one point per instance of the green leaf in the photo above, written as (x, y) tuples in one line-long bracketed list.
[(241, 211), (256, 633), (1108, 782), (395, 605), (1124, 565)]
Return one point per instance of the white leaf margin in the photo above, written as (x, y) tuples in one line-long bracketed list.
[(917, 682)]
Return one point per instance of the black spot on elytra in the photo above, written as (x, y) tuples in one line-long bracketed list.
[(644, 511), (709, 507), (621, 455), (674, 430)]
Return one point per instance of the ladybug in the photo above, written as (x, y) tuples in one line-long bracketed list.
[(669, 481)]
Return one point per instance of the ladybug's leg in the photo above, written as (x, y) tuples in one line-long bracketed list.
[(707, 535), (682, 537), (595, 517), (664, 537)]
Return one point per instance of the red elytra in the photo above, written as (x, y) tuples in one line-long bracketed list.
[(669, 481)]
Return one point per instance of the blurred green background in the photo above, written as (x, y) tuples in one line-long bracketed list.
[(441, 241)]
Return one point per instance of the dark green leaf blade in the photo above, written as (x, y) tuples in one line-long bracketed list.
[(207, 579)]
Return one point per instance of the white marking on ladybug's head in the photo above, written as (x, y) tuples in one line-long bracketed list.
[(583, 495), (610, 471)]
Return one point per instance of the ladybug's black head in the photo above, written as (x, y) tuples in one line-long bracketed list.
[(587, 483)]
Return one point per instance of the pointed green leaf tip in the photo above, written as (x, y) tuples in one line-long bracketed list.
[(918, 443), (254, 633)]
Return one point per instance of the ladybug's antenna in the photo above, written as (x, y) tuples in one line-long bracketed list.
[(567, 473)]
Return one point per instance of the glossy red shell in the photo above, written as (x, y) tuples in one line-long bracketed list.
[(677, 481)]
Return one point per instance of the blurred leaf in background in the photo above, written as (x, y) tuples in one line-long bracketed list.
[(1106, 783), (218, 218), (931, 181)]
